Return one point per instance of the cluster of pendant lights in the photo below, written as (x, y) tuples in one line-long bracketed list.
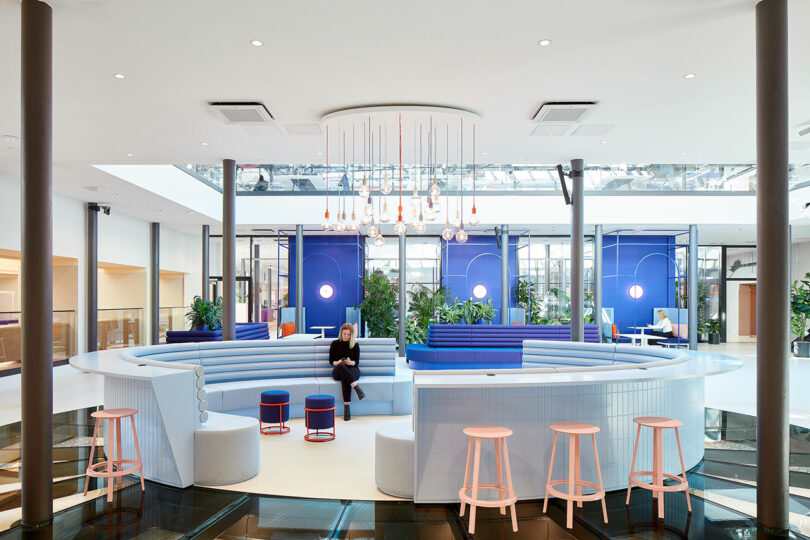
[(375, 213)]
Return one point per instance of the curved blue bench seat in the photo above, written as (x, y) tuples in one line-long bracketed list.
[(237, 372), (550, 354), (243, 331)]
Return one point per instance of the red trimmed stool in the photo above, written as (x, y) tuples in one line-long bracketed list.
[(114, 465), (506, 494), (658, 475), (574, 481), (274, 409), (319, 415)]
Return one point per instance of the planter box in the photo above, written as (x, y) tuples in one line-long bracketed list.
[(801, 348)]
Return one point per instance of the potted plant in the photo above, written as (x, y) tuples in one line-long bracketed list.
[(450, 314), (379, 305), (425, 304), (469, 311), (799, 312), (714, 327), (487, 311), (205, 314)]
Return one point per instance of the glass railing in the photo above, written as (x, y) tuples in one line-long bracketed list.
[(280, 179), (64, 337), (171, 318), (119, 328)]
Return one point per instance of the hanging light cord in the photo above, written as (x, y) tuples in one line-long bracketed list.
[(399, 217), (473, 171), (327, 172), (352, 169)]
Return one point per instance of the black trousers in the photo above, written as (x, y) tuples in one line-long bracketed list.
[(660, 333), (346, 375)]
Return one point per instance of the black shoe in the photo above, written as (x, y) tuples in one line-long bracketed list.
[(347, 413), (360, 393)]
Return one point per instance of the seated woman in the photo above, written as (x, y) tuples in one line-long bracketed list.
[(663, 327), (344, 354)]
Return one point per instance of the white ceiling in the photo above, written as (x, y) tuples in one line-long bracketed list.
[(319, 55)]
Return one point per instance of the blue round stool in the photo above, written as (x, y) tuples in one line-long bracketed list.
[(274, 409), (319, 411)]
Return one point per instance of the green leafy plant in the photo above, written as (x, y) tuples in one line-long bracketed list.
[(714, 326), (425, 304), (525, 296), (487, 311), (450, 314), (470, 312), (205, 313), (379, 305), (413, 332), (800, 306)]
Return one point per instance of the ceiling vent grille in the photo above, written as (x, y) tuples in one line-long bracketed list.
[(252, 116), (573, 111)]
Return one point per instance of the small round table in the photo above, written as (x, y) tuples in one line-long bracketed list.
[(323, 329)]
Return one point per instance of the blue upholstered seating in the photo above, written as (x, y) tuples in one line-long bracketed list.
[(270, 415), (550, 354), (237, 372), (244, 331), (320, 419), (471, 346)]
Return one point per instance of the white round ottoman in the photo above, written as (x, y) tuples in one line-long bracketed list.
[(226, 449), (393, 460)]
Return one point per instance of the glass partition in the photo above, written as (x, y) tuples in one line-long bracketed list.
[(119, 328), (171, 319), (64, 337)]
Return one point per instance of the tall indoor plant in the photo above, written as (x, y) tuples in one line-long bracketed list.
[(799, 313), (379, 305), (205, 314), (424, 304)]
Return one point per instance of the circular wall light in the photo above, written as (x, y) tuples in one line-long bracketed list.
[(479, 291), (635, 292), (326, 291)]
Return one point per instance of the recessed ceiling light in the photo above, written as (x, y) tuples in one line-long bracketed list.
[(484, 153), (544, 42), (119, 76), (683, 153), (204, 143), (130, 155), (603, 142), (318, 153), (115, 194), (689, 76), (11, 139), (257, 42)]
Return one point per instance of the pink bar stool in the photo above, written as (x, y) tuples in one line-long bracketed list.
[(657, 487), (574, 481), (506, 494), (113, 467)]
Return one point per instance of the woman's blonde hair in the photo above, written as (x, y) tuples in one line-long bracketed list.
[(662, 312), (350, 328)]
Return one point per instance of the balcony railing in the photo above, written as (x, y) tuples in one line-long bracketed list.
[(64, 337)]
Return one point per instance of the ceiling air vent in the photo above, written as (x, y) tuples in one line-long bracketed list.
[(571, 111), (252, 116)]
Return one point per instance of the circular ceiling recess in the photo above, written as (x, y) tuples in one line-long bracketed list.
[(411, 114)]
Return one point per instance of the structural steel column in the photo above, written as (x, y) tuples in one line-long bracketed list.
[(37, 265), (402, 297), (577, 251), (504, 274), (692, 288), (91, 276), (228, 250), (154, 283), (773, 265), (299, 279), (206, 239), (597, 279), (257, 281)]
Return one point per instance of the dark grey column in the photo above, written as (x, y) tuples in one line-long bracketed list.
[(504, 274), (37, 265), (577, 251), (597, 279), (91, 276), (299, 279), (403, 312), (692, 288), (154, 283), (257, 282), (206, 239), (228, 250), (773, 265)]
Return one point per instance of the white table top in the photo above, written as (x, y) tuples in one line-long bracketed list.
[(646, 337), (109, 362), (322, 327), (301, 336)]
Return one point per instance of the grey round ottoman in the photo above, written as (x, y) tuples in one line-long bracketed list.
[(226, 450), (393, 460)]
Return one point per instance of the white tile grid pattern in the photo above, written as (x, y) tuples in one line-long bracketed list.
[(156, 453), (442, 413)]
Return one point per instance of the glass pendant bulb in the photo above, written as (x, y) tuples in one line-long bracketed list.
[(372, 231), (368, 210), (385, 217), (400, 228), (363, 190), (325, 225), (447, 233), (474, 219), (437, 205), (386, 186), (434, 189), (339, 226), (421, 227), (461, 236), (365, 220), (353, 226), (379, 240)]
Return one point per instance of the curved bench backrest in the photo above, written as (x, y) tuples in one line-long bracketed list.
[(574, 354), (501, 335), (377, 356)]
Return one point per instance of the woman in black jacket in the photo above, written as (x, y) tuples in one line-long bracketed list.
[(344, 355)]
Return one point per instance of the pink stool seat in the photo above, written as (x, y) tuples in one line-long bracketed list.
[(657, 422), (574, 428), (114, 466), (574, 482), (487, 432), (657, 475), (469, 491)]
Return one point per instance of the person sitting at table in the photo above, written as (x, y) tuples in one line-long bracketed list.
[(663, 327), (344, 355)]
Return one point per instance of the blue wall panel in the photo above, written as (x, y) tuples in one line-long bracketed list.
[(644, 260), (478, 261), (334, 260)]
